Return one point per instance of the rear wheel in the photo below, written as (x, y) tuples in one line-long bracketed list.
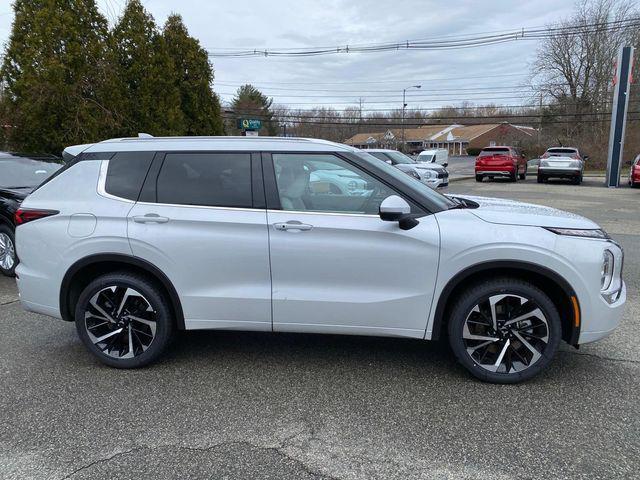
[(8, 257), (504, 330), (514, 176), (540, 178), (478, 178), (124, 320), (577, 180)]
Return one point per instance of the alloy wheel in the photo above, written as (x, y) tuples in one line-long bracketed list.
[(7, 252), (120, 322), (505, 333)]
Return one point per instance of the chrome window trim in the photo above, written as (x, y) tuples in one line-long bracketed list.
[(211, 207), (324, 213)]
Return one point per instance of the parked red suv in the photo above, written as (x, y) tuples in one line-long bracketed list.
[(501, 162), (634, 173)]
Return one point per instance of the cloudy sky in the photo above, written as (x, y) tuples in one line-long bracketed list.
[(482, 75)]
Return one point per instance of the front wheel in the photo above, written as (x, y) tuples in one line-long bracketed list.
[(8, 257), (504, 330), (124, 320)]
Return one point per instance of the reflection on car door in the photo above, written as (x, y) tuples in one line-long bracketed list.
[(201, 227), (336, 267)]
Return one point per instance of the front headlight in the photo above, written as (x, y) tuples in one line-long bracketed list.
[(580, 232), (607, 270), (430, 174), (414, 174)]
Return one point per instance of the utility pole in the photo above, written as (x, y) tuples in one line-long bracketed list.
[(404, 106), (622, 80)]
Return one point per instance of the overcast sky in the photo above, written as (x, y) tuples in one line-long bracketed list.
[(446, 76)]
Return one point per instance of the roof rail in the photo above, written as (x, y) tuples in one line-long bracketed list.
[(144, 135)]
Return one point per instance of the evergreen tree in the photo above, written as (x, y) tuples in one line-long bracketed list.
[(147, 73), (193, 78), (54, 75), (250, 102)]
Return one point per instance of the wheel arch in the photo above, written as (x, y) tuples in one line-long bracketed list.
[(86, 269), (550, 282)]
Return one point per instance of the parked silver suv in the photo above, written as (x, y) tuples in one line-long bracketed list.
[(136, 238)]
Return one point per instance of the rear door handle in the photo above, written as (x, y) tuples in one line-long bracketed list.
[(292, 225), (150, 218)]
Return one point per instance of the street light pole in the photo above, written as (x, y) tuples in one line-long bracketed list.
[(404, 106)]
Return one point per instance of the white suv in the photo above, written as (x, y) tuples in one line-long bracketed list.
[(138, 237)]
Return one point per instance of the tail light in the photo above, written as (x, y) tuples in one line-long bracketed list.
[(545, 155), (25, 215), (576, 156)]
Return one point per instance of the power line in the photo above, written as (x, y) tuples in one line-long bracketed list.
[(439, 44)]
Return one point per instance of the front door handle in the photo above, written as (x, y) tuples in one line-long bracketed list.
[(292, 225), (150, 218)]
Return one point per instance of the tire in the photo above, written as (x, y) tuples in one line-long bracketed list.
[(523, 176), (478, 178), (514, 176), (577, 180), (123, 300), (8, 256), (540, 178), (473, 305)]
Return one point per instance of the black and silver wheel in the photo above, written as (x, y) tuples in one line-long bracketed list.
[(8, 258), (124, 320), (505, 330)]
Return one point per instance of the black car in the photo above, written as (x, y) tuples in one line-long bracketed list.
[(19, 175)]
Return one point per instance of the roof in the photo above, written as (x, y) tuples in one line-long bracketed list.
[(436, 133), (216, 143)]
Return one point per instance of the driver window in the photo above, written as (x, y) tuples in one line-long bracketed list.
[(326, 183)]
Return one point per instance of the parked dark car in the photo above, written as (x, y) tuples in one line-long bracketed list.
[(19, 175)]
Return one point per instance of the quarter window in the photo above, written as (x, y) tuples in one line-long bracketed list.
[(326, 183), (126, 173), (208, 179)]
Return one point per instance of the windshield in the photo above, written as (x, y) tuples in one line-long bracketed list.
[(489, 152), (427, 157), (21, 172), (444, 202), (562, 150), (399, 157)]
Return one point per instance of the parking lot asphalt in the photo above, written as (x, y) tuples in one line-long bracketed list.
[(252, 405)]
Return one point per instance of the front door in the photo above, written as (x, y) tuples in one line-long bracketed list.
[(202, 227), (336, 267)]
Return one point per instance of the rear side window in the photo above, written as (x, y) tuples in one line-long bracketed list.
[(126, 174), (207, 179)]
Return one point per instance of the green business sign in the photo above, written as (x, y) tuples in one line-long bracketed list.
[(249, 124)]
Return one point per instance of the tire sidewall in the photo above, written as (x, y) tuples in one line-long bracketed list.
[(164, 322), (482, 291), (11, 233)]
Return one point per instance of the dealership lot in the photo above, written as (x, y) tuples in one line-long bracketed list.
[(239, 405)]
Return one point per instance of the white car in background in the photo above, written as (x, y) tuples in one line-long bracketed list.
[(436, 155), (432, 174)]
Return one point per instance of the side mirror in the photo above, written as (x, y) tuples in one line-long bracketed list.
[(396, 209), (445, 164), (585, 158), (389, 162)]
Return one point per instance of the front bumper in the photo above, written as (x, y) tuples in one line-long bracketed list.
[(609, 316)]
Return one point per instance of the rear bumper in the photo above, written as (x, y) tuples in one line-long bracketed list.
[(559, 172), (506, 169)]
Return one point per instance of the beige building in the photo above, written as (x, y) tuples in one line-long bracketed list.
[(455, 138)]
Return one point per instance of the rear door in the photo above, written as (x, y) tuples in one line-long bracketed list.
[(201, 219), (336, 266)]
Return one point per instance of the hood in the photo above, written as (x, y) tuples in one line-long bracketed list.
[(429, 166), (17, 194), (405, 167), (509, 212)]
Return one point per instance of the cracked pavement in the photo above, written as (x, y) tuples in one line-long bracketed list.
[(251, 405)]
